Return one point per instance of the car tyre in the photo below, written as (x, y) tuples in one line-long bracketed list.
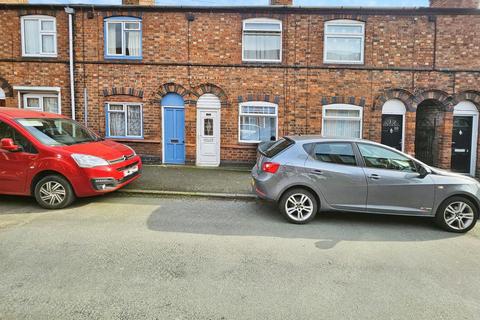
[(298, 206), (457, 214), (54, 192)]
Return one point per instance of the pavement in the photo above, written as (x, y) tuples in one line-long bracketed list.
[(224, 182), (118, 257)]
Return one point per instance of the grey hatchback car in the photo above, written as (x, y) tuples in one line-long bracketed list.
[(307, 174)]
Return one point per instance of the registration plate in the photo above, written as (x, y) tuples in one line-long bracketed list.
[(130, 171)]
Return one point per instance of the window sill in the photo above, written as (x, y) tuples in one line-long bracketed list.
[(132, 140), (261, 62), (40, 56), (333, 63), (109, 58)]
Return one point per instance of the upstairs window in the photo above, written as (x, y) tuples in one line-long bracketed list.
[(262, 40), (344, 42), (39, 36), (123, 38)]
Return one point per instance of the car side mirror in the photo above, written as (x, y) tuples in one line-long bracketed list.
[(8, 145), (423, 172)]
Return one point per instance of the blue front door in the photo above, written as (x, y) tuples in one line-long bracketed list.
[(174, 135)]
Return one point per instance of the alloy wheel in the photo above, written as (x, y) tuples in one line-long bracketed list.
[(299, 207), (52, 192), (458, 215)]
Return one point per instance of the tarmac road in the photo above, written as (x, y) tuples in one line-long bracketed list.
[(193, 258)]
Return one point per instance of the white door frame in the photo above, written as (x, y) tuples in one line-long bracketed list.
[(469, 111), (397, 107), (200, 127)]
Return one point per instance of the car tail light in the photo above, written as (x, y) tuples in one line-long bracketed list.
[(270, 167)]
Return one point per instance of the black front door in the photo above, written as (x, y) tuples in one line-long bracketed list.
[(392, 130), (462, 143)]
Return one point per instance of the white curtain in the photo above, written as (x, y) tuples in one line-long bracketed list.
[(341, 128), (344, 49), (262, 46), (133, 43), (114, 38), (134, 121), (50, 104), (117, 124), (31, 36)]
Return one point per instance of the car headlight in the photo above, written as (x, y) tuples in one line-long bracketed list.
[(87, 161), (131, 149)]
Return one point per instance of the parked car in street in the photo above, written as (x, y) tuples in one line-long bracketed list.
[(307, 174), (56, 159)]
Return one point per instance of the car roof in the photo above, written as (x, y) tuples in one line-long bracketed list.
[(14, 113), (319, 138)]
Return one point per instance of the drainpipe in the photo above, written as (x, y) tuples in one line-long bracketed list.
[(71, 12)]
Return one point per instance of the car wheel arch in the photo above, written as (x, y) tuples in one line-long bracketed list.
[(40, 175), (301, 186), (467, 196)]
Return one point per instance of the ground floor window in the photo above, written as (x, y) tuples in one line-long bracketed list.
[(258, 121), (342, 120), (47, 102), (124, 120)]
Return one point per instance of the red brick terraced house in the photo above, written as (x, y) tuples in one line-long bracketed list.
[(205, 85)]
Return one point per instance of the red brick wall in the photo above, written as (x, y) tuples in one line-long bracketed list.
[(408, 52), (454, 3)]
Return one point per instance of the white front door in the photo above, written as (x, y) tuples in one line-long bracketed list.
[(208, 137)]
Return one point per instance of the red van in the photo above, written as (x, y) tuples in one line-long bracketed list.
[(56, 159)]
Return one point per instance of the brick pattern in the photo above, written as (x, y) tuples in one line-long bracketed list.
[(201, 52), (455, 4)]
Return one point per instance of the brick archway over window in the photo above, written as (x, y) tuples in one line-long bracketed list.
[(213, 89), (128, 91), (6, 87), (401, 94)]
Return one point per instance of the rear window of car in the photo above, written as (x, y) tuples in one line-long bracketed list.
[(271, 150)]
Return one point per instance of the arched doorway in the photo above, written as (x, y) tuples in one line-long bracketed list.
[(208, 130), (464, 138), (428, 131), (393, 124), (173, 129)]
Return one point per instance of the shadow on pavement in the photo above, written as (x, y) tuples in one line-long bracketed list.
[(28, 205), (257, 218)]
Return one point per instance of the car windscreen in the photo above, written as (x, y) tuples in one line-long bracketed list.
[(57, 131), (271, 150)]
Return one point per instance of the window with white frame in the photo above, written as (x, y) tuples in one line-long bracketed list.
[(123, 38), (47, 102), (39, 36), (344, 41), (262, 40), (124, 120), (258, 121), (342, 120)]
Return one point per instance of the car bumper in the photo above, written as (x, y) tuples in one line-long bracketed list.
[(260, 186), (105, 179)]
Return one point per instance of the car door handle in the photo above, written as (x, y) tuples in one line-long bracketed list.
[(374, 176), (317, 172)]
